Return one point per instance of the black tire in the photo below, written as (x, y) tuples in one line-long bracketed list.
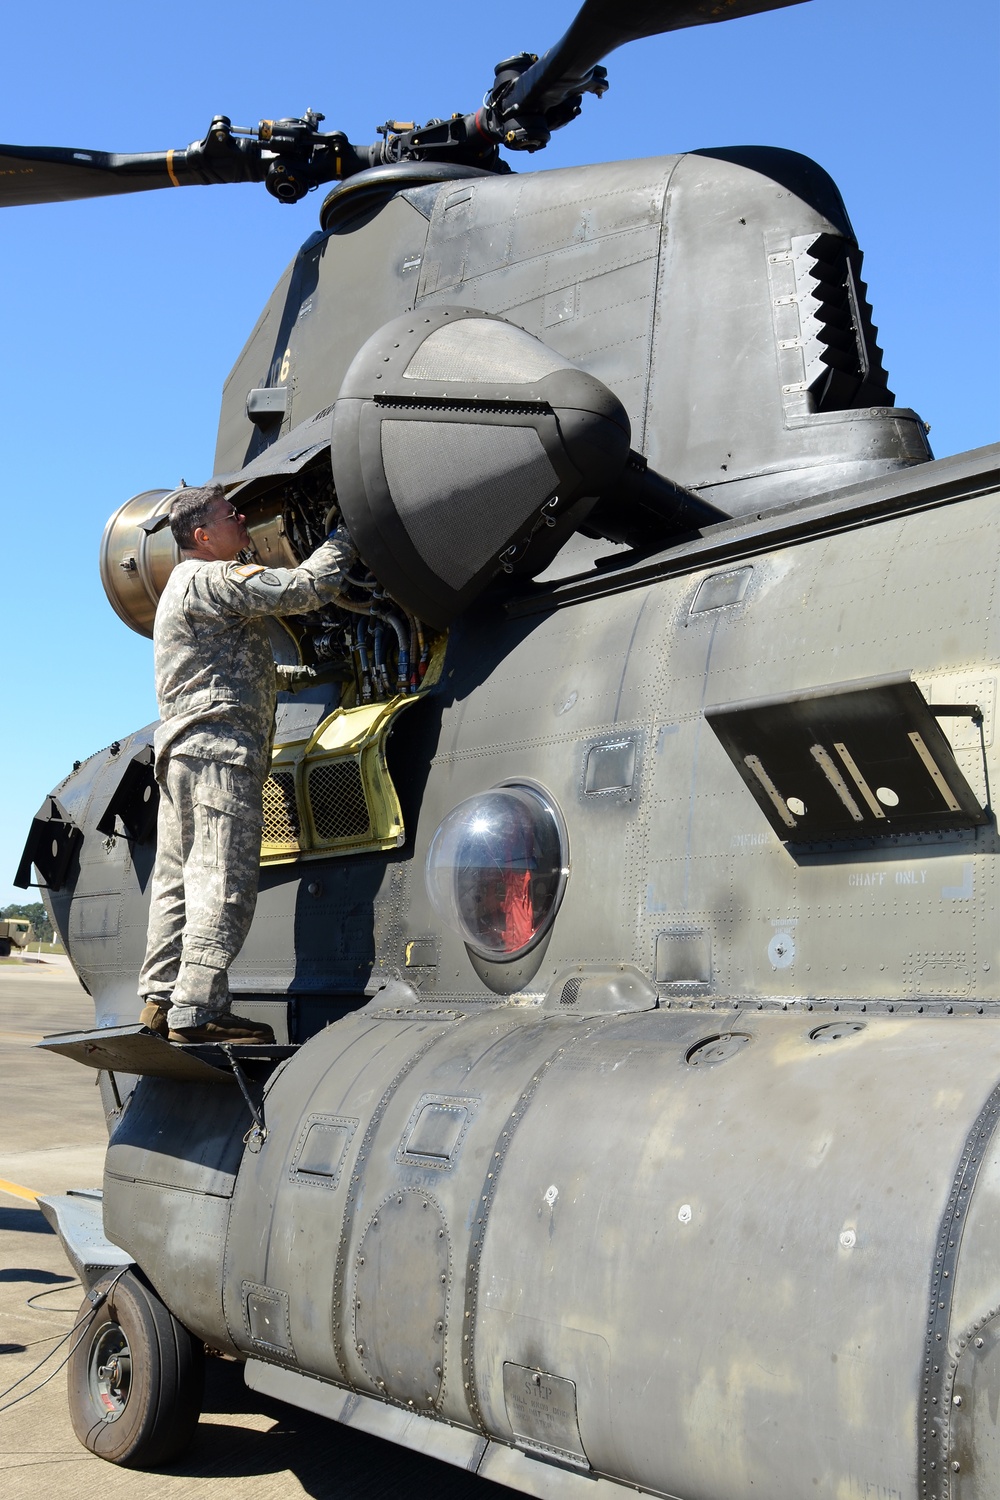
[(4, 947), (135, 1378)]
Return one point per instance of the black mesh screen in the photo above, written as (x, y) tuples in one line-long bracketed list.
[(337, 799), (463, 490), (281, 815)]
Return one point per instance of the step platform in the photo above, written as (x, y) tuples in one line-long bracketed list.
[(137, 1050)]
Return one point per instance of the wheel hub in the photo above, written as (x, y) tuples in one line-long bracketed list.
[(110, 1372)]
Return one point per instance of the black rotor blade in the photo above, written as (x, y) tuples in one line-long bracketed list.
[(601, 26), (56, 174)]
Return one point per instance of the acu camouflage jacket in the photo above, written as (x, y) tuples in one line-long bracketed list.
[(215, 674)]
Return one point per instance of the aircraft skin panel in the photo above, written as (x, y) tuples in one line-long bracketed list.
[(630, 1118), (685, 846), (619, 267), (620, 1189), (687, 858)]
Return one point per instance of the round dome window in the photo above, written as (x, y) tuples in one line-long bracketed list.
[(496, 869)]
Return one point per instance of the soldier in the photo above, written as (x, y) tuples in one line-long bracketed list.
[(215, 689)]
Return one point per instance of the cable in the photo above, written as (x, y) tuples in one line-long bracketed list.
[(83, 1324), (52, 1373), (34, 1343), (13, 1387), (64, 1286)]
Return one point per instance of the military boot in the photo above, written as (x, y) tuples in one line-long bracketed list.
[(154, 1016), (225, 1027)]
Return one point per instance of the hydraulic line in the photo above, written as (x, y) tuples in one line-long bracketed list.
[(403, 642), (414, 653), (378, 648), (362, 650)]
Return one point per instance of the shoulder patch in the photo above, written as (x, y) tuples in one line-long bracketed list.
[(247, 570)]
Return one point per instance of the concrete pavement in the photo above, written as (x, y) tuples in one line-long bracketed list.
[(52, 1137)]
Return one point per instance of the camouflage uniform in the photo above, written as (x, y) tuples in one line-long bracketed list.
[(215, 688)]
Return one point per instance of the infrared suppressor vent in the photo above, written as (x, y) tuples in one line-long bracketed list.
[(843, 362)]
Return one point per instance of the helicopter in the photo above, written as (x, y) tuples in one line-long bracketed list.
[(626, 913)]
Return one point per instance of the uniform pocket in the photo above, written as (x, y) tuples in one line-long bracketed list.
[(212, 828), (225, 822)]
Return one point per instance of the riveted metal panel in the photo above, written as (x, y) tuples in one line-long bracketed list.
[(784, 1185), (265, 1314), (284, 1231), (319, 1153), (402, 1294), (541, 1409), (973, 1460), (435, 1131)]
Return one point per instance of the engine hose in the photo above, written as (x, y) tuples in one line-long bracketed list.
[(414, 653), (356, 606), (378, 641), (403, 644), (366, 684)]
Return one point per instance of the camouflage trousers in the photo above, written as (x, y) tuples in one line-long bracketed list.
[(204, 885)]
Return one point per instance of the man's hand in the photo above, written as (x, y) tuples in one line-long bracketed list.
[(343, 539)]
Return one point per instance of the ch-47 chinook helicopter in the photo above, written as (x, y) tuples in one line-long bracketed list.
[(628, 905)]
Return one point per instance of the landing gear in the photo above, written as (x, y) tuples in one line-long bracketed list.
[(135, 1378)]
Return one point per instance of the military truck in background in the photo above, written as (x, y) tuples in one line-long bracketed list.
[(15, 932)]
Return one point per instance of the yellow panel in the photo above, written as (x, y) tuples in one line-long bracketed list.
[(338, 776)]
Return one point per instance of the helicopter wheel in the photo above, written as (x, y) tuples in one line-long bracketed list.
[(135, 1378)]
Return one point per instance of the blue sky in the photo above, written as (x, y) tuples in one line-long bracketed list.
[(120, 318)]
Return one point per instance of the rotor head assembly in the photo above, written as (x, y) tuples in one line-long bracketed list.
[(529, 98)]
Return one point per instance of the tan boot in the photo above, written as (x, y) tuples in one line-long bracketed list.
[(225, 1027), (154, 1015)]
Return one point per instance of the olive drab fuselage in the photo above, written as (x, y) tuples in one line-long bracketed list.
[(683, 1176)]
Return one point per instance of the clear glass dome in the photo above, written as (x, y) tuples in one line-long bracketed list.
[(496, 869)]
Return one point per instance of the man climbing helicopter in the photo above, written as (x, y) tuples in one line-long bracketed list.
[(215, 689)]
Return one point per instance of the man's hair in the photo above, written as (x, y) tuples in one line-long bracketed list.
[(190, 510)]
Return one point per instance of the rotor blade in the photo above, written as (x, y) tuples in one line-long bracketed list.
[(601, 26), (56, 174)]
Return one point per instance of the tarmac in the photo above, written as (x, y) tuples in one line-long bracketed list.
[(52, 1137)]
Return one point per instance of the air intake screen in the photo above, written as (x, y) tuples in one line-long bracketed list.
[(463, 491), (281, 815), (337, 799), (463, 447)]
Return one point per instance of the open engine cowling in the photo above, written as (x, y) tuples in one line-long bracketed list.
[(137, 556)]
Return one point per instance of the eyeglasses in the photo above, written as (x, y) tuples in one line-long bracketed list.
[(231, 515)]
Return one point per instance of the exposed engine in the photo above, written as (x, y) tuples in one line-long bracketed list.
[(367, 640)]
